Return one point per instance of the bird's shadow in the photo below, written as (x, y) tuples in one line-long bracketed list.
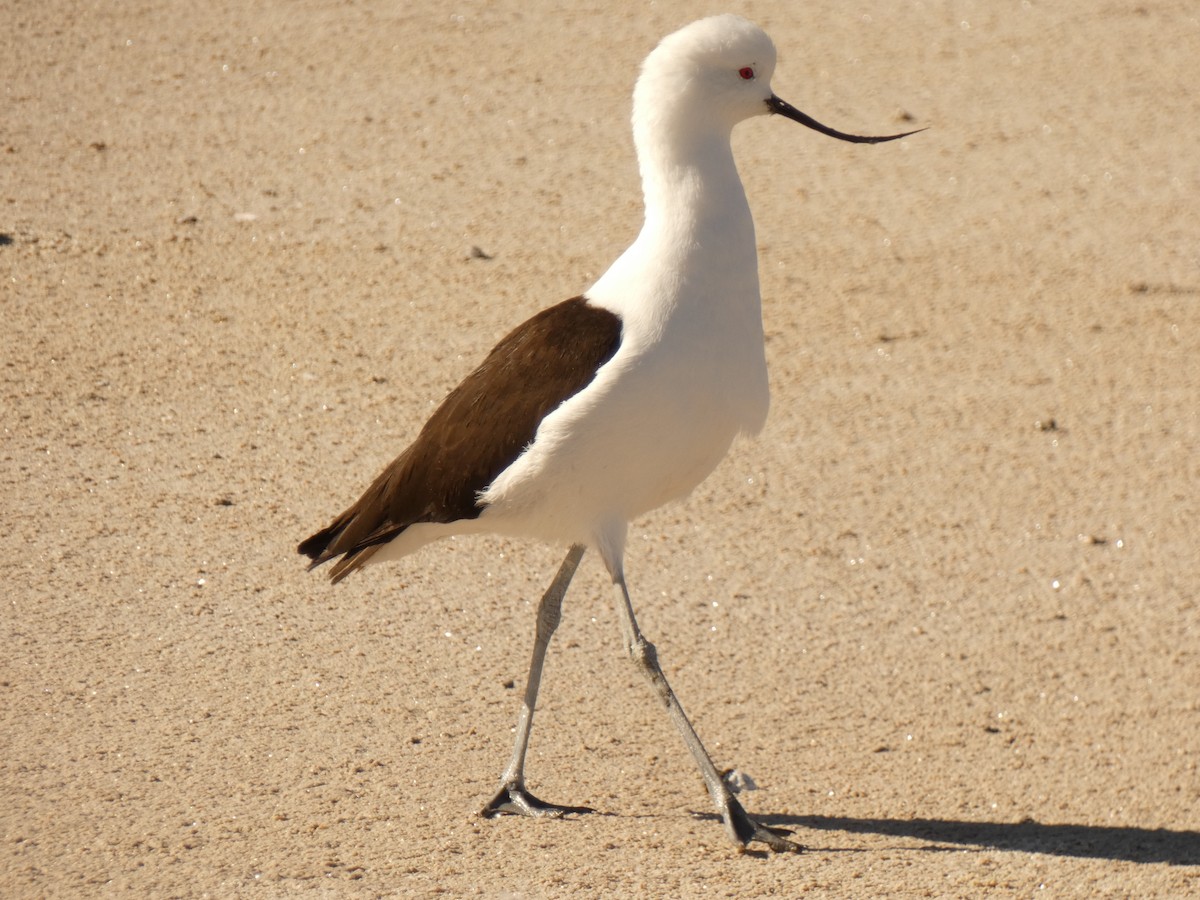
[(1141, 845)]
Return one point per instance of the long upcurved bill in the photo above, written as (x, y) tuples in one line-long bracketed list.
[(783, 108)]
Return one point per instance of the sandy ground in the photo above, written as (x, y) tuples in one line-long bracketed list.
[(944, 610)]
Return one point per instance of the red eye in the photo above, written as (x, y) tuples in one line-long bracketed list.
[(747, 73)]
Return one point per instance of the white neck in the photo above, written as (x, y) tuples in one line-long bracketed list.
[(698, 230)]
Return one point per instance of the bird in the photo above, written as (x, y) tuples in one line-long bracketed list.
[(614, 402)]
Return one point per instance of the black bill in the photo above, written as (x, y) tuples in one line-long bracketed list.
[(786, 109)]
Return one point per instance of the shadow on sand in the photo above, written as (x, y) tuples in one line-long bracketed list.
[(1142, 845)]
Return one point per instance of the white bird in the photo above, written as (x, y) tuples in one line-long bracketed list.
[(608, 405)]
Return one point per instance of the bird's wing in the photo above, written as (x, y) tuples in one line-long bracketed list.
[(477, 431)]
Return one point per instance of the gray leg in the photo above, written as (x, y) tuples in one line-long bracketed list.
[(513, 798), (740, 827)]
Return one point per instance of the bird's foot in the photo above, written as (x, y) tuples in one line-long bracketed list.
[(745, 831), (515, 800)]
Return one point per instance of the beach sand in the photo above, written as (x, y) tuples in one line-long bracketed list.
[(943, 610)]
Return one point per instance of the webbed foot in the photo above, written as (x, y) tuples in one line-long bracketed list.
[(515, 800)]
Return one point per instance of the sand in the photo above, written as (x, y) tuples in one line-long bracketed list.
[(943, 610)]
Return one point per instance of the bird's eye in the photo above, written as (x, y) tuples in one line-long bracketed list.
[(747, 73)]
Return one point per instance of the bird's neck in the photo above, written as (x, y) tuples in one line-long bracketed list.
[(692, 190), (696, 250), (697, 217)]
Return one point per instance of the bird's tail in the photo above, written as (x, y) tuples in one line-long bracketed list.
[(324, 546)]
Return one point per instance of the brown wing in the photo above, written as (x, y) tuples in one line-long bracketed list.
[(476, 433)]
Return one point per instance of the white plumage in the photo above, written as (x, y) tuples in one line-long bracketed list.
[(690, 373)]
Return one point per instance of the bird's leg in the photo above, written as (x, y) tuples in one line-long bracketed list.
[(740, 827), (513, 798)]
